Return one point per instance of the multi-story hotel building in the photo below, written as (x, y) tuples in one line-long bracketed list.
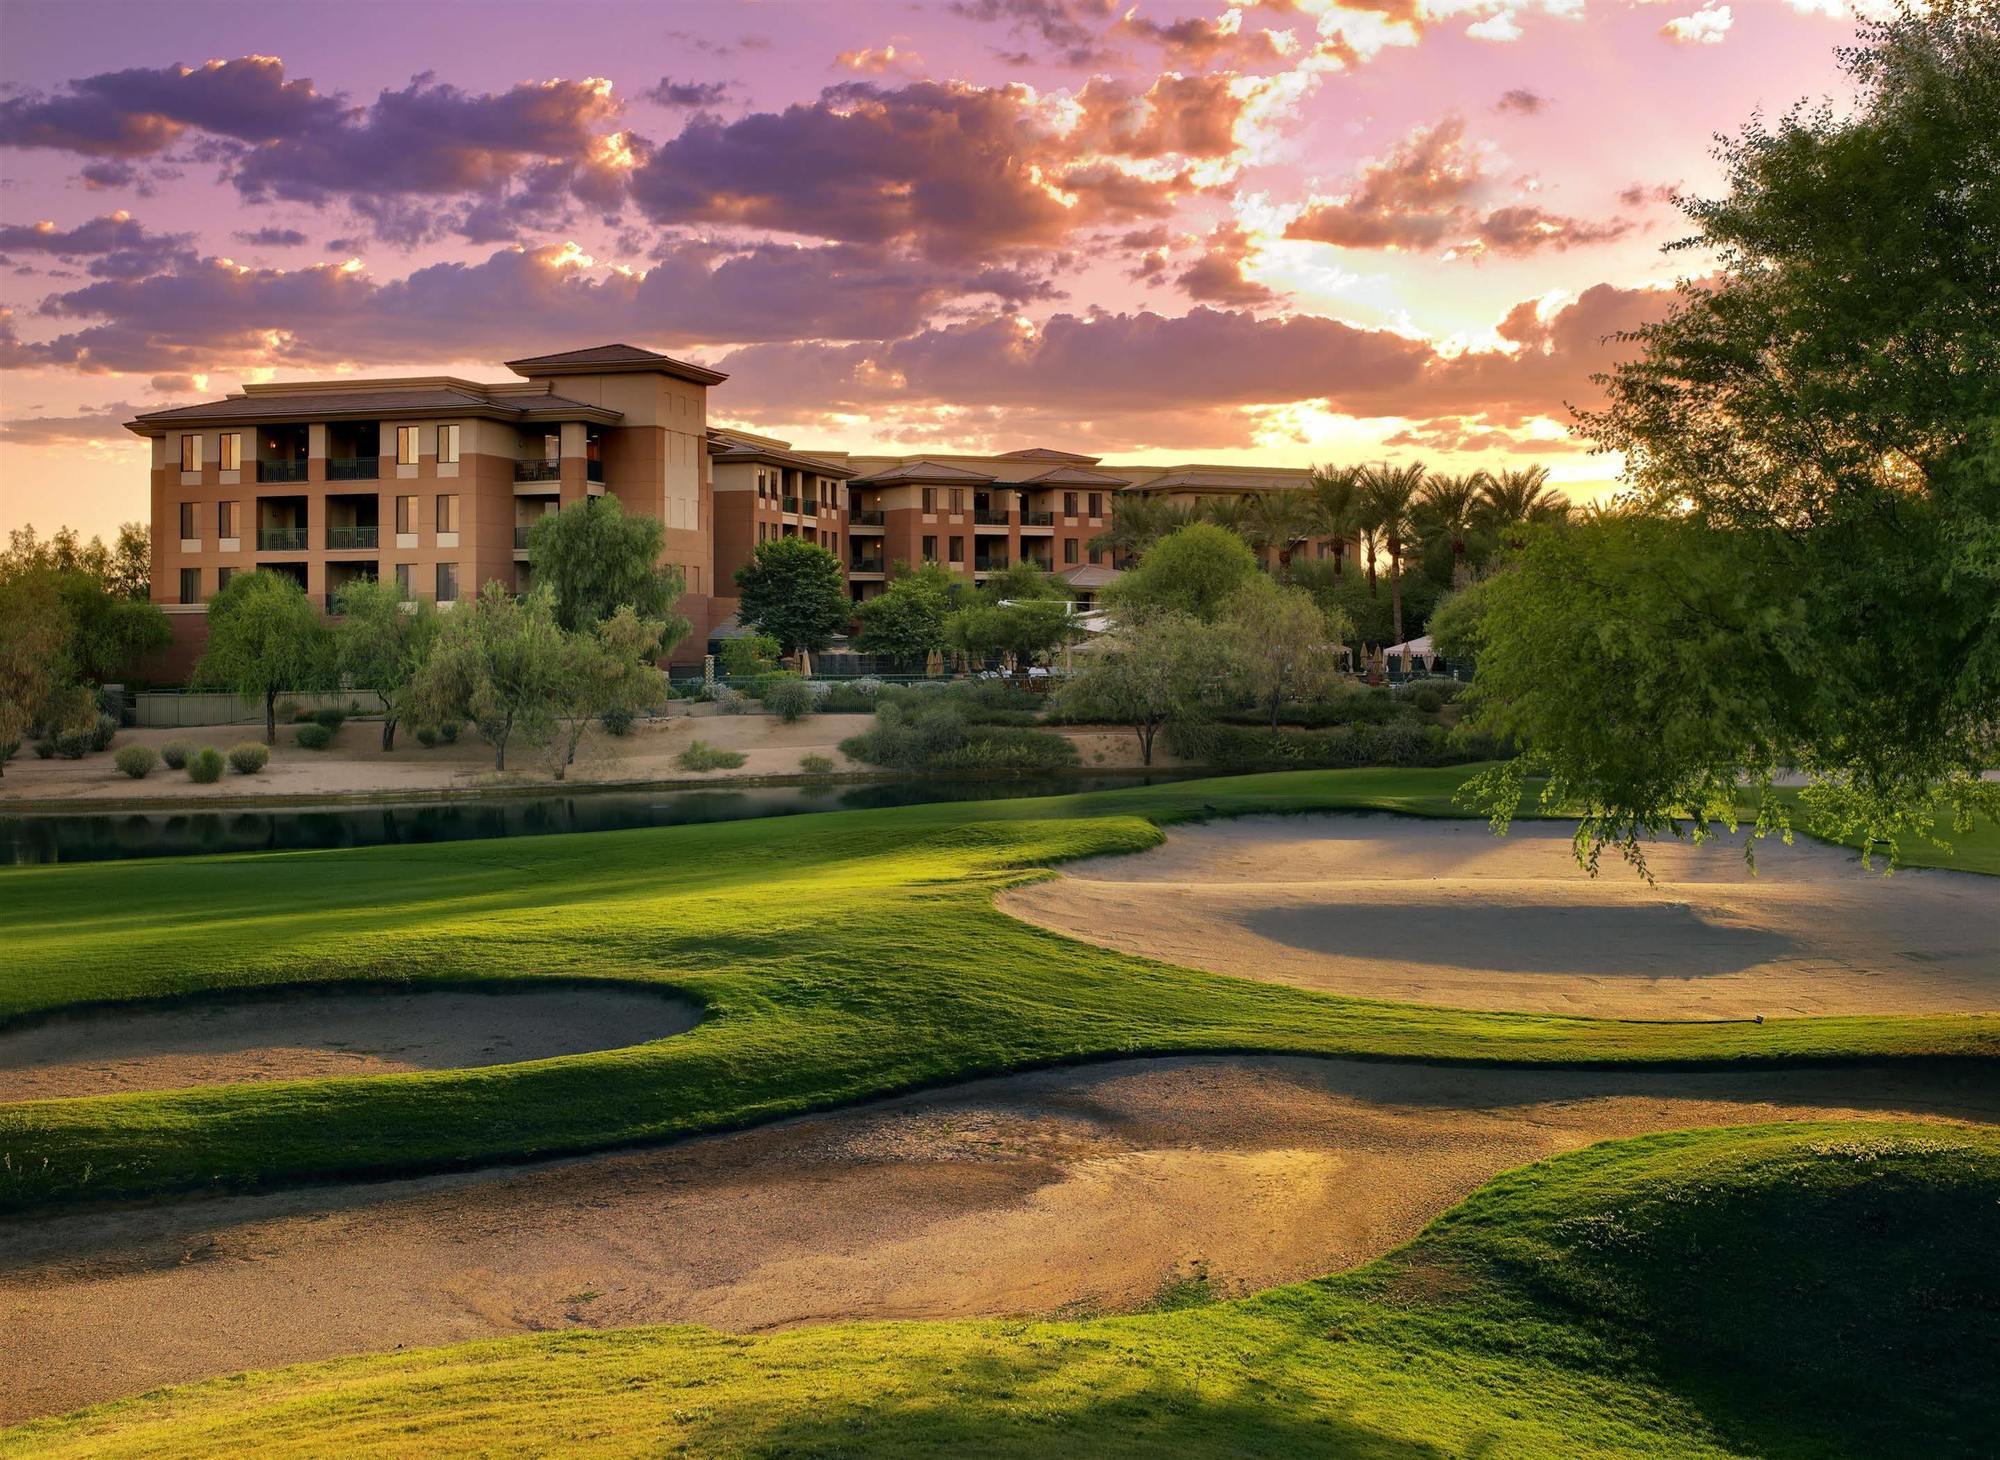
[(433, 483)]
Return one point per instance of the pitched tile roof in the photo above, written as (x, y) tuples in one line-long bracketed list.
[(1074, 476), (617, 358), (1046, 453), (414, 400), (926, 471)]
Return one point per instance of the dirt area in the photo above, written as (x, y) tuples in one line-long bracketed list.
[(1070, 1191), (1440, 912), (315, 1035), (355, 765)]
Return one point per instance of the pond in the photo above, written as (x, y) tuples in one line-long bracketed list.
[(99, 836)]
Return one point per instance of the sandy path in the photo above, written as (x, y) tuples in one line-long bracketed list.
[(312, 1035), (1070, 1190), (1442, 912)]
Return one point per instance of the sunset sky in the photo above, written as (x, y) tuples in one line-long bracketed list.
[(1279, 232)]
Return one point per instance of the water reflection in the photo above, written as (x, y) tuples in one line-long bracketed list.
[(106, 836)]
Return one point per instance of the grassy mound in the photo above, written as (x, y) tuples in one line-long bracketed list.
[(837, 957), (1777, 1290)]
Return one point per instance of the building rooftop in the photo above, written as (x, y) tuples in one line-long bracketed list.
[(598, 359), (926, 471), (1075, 476), (727, 446), (1223, 479), (386, 400), (1046, 453)]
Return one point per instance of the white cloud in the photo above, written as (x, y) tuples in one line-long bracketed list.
[(1500, 27), (1706, 27)]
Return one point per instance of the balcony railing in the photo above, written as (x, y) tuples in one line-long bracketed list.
[(810, 508), (864, 519), (593, 471), (1038, 519), (990, 564), (521, 536), (791, 504), (989, 519), (341, 538), (281, 539), (281, 471), (353, 468), (537, 469), (864, 565)]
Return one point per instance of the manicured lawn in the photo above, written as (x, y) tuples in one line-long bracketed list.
[(1772, 1291)]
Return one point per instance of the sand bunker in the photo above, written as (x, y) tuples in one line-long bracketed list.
[(310, 1035), (1076, 1191), (1444, 912)]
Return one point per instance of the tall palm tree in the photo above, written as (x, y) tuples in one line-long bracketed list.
[(1336, 492), (1515, 498), (1231, 514), (1447, 508), (1130, 531), (1277, 522), (1391, 493)]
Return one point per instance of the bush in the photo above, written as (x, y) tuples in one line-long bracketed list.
[(175, 753), (301, 715), (9, 748), (137, 761), (730, 702), (931, 732), (331, 718), (104, 732), (448, 731), (816, 765), (289, 710), (249, 758), (427, 736), (75, 744), (788, 697), (1404, 742), (850, 696), (618, 720), (44, 748), (749, 656), (979, 701), (1427, 701), (701, 756), (314, 737), (205, 767)]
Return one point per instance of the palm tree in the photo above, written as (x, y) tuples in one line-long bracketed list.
[(1336, 492), (1277, 522), (1231, 514), (1131, 530), (1447, 507), (1515, 498), (1391, 493)]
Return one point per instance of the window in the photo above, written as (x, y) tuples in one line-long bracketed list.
[(226, 522), (930, 550), (1069, 550), (447, 446), (1069, 504), (1096, 558), (190, 524), (190, 453), (231, 455), (222, 577), (833, 542), (406, 514), (448, 512), (447, 583), (190, 585), (930, 499), (403, 581), (1097, 504), (958, 549), (958, 499), (407, 448)]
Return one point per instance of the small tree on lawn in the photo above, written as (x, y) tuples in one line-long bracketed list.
[(1281, 646), (796, 592), (264, 639), (1158, 668), (594, 560), (1020, 632), (499, 663), (608, 668), (906, 620), (379, 644), (1192, 571)]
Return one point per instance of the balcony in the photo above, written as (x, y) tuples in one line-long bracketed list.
[(864, 519), (593, 470), (345, 538), (353, 468), (281, 471), (993, 563), (791, 504), (1038, 519), (810, 508), (281, 539), (537, 470), (865, 564), (989, 519)]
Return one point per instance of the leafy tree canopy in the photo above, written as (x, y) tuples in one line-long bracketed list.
[(1192, 570), (906, 620), (499, 662), (795, 591), (265, 639), (594, 560), (379, 644)]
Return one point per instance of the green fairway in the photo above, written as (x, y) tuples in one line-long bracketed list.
[(1775, 1291), (838, 957)]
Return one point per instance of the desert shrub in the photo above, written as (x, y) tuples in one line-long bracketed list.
[(289, 710), (701, 756), (448, 731), (618, 720), (1403, 742), (10, 746), (44, 748), (816, 765), (137, 761), (104, 732), (205, 766), (175, 753), (427, 736), (111, 700), (933, 733), (75, 744), (301, 715), (331, 717), (314, 736), (788, 697), (730, 702), (1427, 701), (1008, 748), (978, 701), (249, 758), (749, 656)]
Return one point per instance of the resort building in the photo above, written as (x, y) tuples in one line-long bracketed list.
[(433, 482)]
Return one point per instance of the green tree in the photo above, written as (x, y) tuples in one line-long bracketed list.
[(1458, 623), (607, 667), (498, 662), (1280, 646), (1021, 632), (1510, 500), (1336, 494), (1277, 522), (1191, 571), (795, 591), (1019, 582), (1447, 508), (34, 640), (1391, 492), (905, 622), (264, 639), (1155, 668), (1808, 573), (747, 656), (594, 560), (379, 644)]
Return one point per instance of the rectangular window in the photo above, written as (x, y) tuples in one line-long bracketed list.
[(448, 512), (406, 514), (231, 456), (930, 550), (1096, 558), (226, 520), (1097, 504), (1069, 550), (447, 584), (407, 448), (190, 524), (447, 446), (930, 499), (403, 581), (958, 499), (222, 577), (190, 585), (1069, 504), (190, 453), (958, 549)]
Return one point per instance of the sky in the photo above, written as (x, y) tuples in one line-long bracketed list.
[(1271, 231)]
